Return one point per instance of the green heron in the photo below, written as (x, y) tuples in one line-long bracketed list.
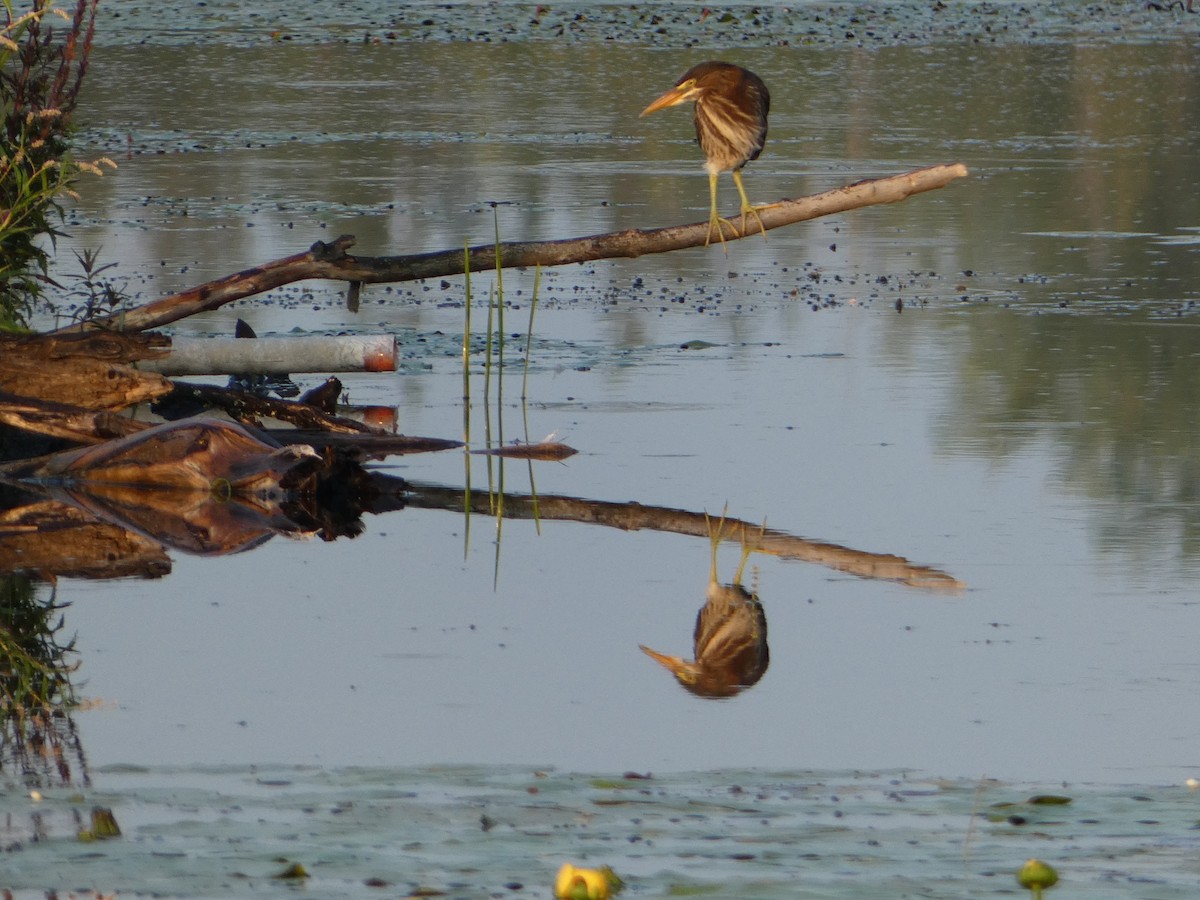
[(730, 640), (731, 127)]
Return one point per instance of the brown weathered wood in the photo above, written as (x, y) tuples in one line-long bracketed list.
[(62, 420), (81, 382), (108, 346), (88, 371), (330, 261)]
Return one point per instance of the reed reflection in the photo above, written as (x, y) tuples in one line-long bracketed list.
[(730, 639), (39, 743)]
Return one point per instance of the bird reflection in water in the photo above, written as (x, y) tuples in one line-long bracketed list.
[(730, 640)]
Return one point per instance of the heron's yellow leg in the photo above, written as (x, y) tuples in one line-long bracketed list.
[(715, 536), (747, 206), (747, 549), (714, 219)]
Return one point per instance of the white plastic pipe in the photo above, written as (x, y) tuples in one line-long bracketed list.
[(276, 355)]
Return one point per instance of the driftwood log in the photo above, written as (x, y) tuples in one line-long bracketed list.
[(331, 261), (92, 371)]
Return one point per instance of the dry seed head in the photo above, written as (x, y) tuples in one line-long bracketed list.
[(20, 21), (8, 43), (89, 167)]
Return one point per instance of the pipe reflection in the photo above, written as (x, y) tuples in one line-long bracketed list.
[(730, 639)]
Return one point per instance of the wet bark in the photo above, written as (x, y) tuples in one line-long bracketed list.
[(63, 420), (90, 371)]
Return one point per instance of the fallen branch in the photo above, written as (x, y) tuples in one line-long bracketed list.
[(249, 408), (331, 261)]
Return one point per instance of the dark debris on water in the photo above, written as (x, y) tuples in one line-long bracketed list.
[(668, 25)]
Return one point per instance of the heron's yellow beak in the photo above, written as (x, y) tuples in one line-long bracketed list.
[(677, 666), (681, 93)]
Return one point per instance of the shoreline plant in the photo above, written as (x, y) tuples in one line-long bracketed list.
[(44, 53)]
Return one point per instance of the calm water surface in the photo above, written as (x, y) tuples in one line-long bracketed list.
[(1028, 423)]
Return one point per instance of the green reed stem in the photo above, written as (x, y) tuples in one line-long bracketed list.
[(499, 505), (487, 394), (537, 281), (466, 397)]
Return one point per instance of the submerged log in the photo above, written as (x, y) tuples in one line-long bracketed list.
[(331, 261)]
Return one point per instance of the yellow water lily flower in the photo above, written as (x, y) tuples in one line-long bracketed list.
[(574, 883), (1037, 876)]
